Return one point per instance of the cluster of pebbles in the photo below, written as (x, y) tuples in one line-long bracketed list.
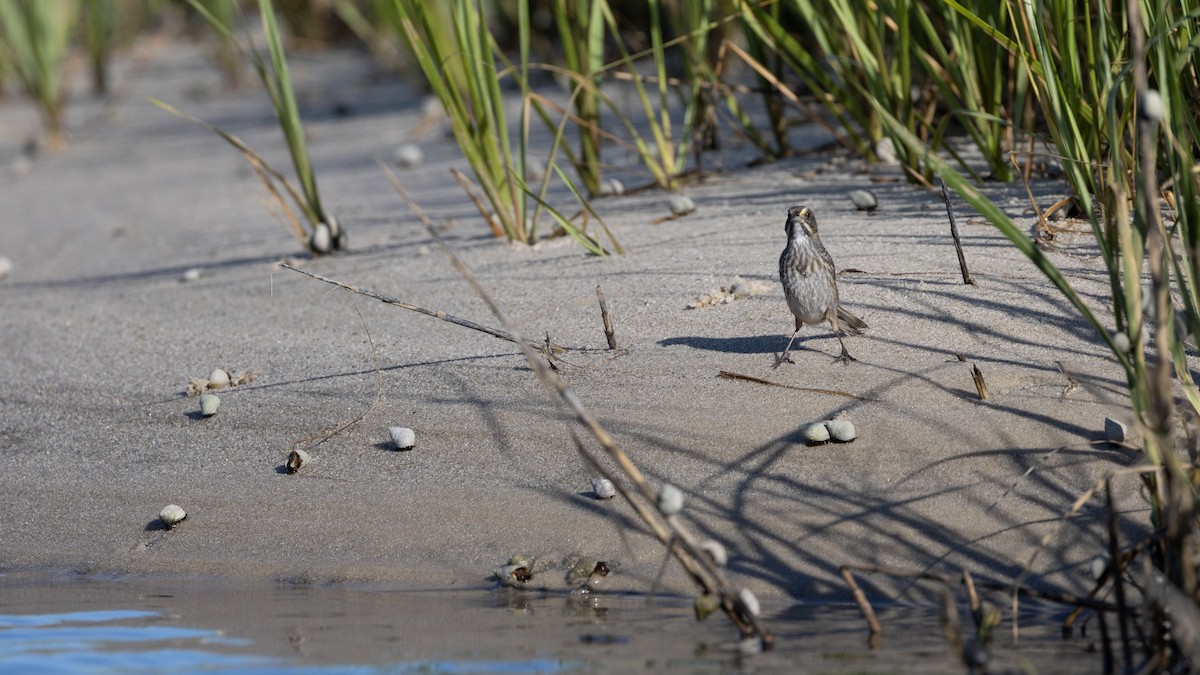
[(219, 378), (739, 289)]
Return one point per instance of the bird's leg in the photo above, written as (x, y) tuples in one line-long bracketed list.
[(786, 350), (844, 357)]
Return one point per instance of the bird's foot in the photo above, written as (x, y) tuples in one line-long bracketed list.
[(785, 358), (844, 358)]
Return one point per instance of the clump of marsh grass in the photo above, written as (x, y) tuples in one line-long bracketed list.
[(318, 229), (35, 41), (1119, 115), (465, 77)]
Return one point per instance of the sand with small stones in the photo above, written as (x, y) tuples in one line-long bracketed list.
[(100, 338)]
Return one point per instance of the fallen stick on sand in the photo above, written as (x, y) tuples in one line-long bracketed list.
[(725, 374), (539, 347)]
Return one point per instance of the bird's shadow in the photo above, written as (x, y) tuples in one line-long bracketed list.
[(752, 344)]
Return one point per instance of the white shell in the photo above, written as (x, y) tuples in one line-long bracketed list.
[(716, 551), (1099, 566), (403, 437), (816, 432), (192, 274), (1122, 342), (1152, 106), (604, 488), (322, 239), (750, 601), (670, 499), (864, 200), (682, 205), (841, 430), (209, 404), (171, 514), (296, 459), (218, 378), (1115, 431), (885, 150), (610, 187), (408, 155), (6, 267)]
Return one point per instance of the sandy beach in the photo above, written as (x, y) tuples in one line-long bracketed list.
[(100, 337)]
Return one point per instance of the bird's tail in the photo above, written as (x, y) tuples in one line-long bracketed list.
[(850, 324)]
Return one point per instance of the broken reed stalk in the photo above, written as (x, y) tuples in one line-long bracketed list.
[(539, 347), (980, 385), (1052, 596), (962, 259), (670, 532), (609, 333), (864, 605)]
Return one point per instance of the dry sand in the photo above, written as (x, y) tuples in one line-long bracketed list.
[(100, 337)]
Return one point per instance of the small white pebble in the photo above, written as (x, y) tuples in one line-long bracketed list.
[(604, 488), (611, 187), (1115, 431), (218, 379), (681, 205), (321, 240), (1122, 342), (750, 601), (817, 432), (1151, 107), (670, 499), (403, 437), (750, 646), (171, 515), (192, 274), (841, 430), (864, 200), (1099, 565), (409, 155), (209, 404), (6, 267), (716, 551), (885, 150)]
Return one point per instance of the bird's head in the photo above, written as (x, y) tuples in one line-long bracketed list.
[(801, 222)]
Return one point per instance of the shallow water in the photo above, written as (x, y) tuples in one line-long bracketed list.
[(75, 624)]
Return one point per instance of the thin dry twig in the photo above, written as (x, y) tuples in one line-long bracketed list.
[(450, 318), (962, 259), (609, 334), (1043, 226), (319, 437), (670, 532), (758, 380)]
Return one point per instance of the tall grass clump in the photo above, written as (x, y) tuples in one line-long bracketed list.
[(932, 69), (476, 108), (1121, 113), (320, 230), (36, 40)]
